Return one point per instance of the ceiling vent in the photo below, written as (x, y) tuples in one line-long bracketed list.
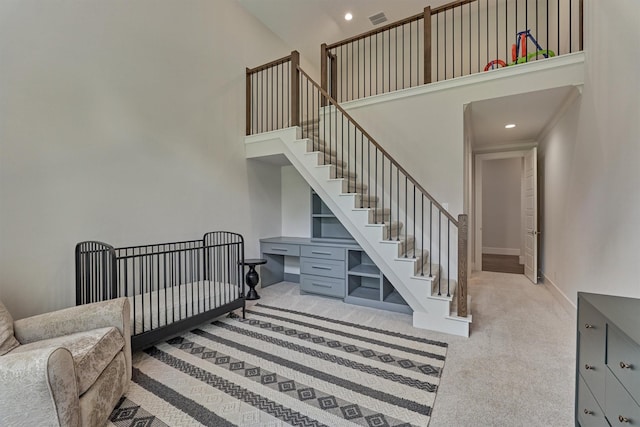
[(378, 18)]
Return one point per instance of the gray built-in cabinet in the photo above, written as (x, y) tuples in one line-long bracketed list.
[(324, 224), (608, 361), (331, 264)]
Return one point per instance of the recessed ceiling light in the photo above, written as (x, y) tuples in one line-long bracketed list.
[(348, 16), (510, 126)]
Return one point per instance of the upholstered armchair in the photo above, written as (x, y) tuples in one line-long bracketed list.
[(65, 368)]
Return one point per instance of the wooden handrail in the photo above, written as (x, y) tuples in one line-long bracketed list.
[(400, 22), (269, 64), (378, 146), (417, 17), (451, 5)]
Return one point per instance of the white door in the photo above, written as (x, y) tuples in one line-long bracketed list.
[(531, 215)]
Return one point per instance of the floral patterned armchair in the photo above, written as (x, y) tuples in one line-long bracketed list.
[(65, 368)]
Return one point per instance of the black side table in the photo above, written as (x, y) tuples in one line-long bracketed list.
[(252, 277)]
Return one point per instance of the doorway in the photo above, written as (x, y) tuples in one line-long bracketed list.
[(506, 212)]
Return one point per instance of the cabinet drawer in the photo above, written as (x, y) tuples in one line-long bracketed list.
[(280, 249), (623, 359), (591, 365), (620, 408), (591, 324), (589, 412), (322, 285), (325, 252), (321, 267)]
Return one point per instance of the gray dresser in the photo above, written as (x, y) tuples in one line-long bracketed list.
[(608, 361)]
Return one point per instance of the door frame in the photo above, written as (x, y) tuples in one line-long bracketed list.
[(479, 159)]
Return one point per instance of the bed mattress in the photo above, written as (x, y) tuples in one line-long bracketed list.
[(152, 310)]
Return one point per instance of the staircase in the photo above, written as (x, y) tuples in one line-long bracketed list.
[(395, 221), (415, 276)]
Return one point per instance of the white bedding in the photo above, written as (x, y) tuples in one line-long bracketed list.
[(177, 303)]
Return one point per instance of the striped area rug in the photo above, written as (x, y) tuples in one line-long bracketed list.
[(284, 367)]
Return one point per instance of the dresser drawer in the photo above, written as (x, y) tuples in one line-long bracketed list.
[(322, 267), (620, 408), (591, 365), (325, 252), (280, 249), (322, 285), (623, 359), (591, 324), (589, 412)]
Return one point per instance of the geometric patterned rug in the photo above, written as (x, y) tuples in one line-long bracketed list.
[(283, 367)]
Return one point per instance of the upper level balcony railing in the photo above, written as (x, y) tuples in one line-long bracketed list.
[(460, 38)]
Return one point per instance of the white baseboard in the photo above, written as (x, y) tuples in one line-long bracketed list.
[(500, 251), (560, 296)]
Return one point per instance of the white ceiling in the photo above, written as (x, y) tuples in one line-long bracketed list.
[(531, 112), (306, 24)]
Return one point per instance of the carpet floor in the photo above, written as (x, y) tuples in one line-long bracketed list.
[(284, 367)]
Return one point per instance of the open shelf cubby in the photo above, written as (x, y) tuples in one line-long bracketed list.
[(364, 287), (324, 224), (359, 264), (390, 295)]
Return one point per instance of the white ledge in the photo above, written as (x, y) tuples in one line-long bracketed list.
[(540, 65)]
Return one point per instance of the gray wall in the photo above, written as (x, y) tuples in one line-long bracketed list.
[(501, 205), (123, 121), (591, 201)]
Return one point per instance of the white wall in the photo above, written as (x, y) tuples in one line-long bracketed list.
[(123, 121), (296, 204), (591, 202), (501, 210), (423, 127)]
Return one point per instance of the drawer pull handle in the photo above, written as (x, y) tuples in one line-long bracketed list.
[(625, 365), (322, 285), (279, 249), (589, 367), (320, 267), (588, 412), (623, 419), (320, 253), (588, 326)]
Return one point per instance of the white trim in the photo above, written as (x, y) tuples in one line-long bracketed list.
[(516, 146), (500, 251), (472, 79), (562, 298)]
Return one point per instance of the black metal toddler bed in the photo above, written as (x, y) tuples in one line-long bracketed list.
[(171, 286)]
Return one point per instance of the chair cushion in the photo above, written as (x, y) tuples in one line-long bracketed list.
[(7, 339), (92, 352)]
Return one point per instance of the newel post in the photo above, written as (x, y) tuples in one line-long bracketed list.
[(248, 103), (463, 236), (334, 76), (324, 78), (295, 86), (427, 45)]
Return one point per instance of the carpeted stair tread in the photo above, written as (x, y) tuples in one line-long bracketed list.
[(353, 186)]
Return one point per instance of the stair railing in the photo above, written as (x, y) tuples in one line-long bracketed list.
[(382, 184), (271, 103), (457, 39)]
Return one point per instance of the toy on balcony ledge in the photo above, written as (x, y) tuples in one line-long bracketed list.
[(521, 45)]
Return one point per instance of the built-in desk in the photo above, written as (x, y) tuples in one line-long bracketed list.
[(337, 268)]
